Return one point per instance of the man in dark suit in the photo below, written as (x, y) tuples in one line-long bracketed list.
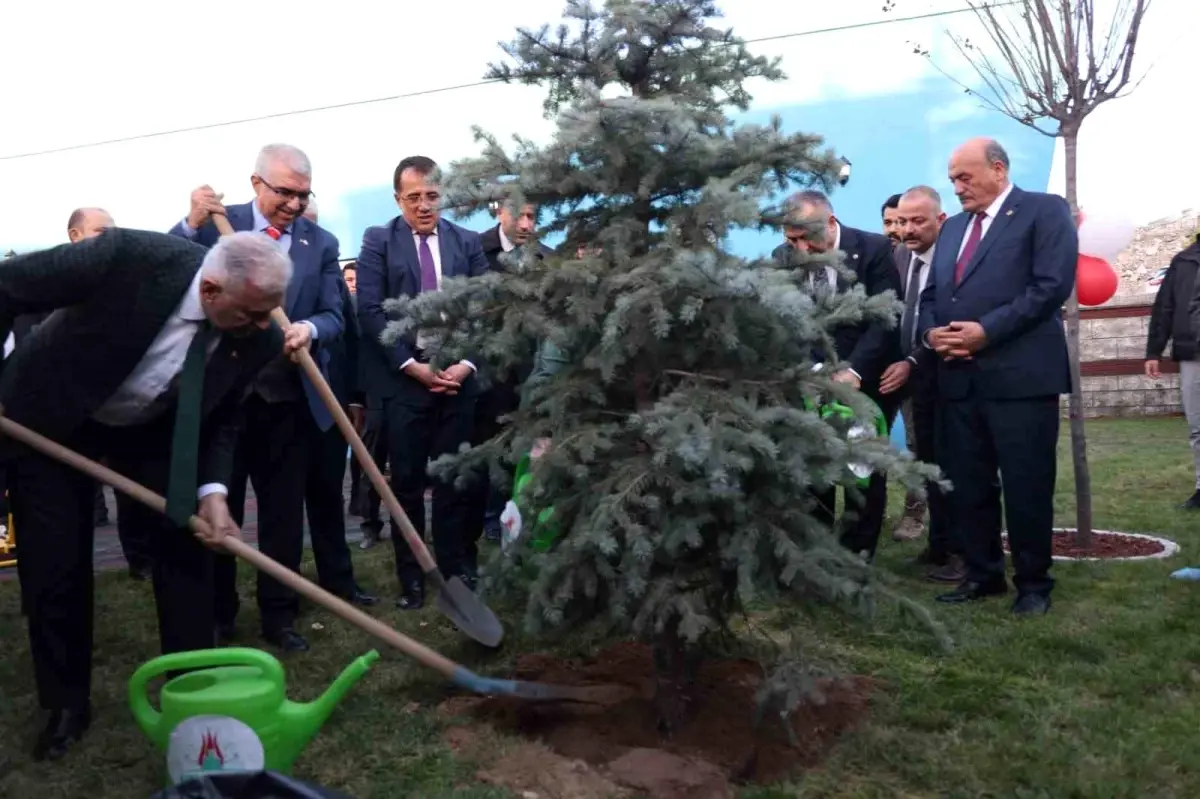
[(914, 377), (323, 497), (144, 359), (285, 417), (864, 350), (514, 228), (992, 313), (429, 411)]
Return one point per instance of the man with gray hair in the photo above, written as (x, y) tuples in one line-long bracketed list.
[(286, 418), (148, 371), (862, 351)]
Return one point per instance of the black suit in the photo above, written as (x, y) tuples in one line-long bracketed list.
[(498, 399), (868, 349), (922, 392), (116, 292), (327, 467)]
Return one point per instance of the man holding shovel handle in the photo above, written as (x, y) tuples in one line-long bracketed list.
[(150, 344)]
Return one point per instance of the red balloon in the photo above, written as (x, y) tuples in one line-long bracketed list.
[(1095, 280)]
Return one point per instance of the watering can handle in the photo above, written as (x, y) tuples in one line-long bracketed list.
[(139, 700)]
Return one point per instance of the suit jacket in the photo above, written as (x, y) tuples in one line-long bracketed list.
[(493, 249), (388, 267), (343, 354), (113, 294), (312, 294), (24, 324), (866, 348), (1015, 285)]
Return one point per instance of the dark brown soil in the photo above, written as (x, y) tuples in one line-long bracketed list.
[(1108, 545), (719, 735)]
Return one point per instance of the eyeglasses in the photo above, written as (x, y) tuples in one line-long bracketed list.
[(415, 198), (302, 197)]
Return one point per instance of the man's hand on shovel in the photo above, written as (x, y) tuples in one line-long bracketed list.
[(215, 510)]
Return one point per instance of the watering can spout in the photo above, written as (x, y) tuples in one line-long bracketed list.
[(311, 715)]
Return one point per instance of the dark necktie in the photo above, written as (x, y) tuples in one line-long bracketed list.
[(429, 281), (969, 251), (911, 297), (185, 442)]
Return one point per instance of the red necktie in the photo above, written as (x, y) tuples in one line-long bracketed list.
[(969, 250), (273, 232)]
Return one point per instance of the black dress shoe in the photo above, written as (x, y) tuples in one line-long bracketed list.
[(412, 597), (969, 591), (1193, 502), (953, 571), (62, 731), (286, 639), (361, 598), (1031, 605)]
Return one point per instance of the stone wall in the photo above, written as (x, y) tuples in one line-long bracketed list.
[(1112, 351)]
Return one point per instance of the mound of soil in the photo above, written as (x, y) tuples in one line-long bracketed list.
[(1104, 545), (718, 742)]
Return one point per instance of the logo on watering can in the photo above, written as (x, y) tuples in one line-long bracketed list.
[(212, 743)]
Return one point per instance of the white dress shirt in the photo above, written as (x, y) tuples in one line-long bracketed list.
[(989, 216), (436, 249), (134, 400), (505, 244)]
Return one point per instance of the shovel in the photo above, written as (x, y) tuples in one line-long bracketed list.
[(456, 602), (456, 673)]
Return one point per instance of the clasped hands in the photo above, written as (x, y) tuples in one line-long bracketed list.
[(957, 340), (446, 381)]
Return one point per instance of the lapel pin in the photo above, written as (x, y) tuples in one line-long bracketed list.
[(1009, 212), (305, 241), (855, 256)]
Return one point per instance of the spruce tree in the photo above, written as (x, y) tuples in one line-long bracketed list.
[(686, 437)]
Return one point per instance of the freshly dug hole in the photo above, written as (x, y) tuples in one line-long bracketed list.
[(719, 727)]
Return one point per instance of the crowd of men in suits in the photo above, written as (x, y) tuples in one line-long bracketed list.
[(157, 352)]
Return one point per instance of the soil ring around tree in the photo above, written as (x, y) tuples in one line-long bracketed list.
[(717, 746), (1109, 545)]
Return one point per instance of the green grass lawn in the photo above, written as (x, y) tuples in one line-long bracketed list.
[(1099, 699)]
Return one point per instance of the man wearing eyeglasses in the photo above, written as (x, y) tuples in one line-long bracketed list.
[(428, 410), (284, 416)]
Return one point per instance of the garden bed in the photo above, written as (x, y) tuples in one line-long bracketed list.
[(1109, 545)]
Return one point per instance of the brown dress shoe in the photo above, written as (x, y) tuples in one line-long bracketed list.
[(952, 571)]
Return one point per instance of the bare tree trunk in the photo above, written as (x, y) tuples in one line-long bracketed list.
[(1083, 476)]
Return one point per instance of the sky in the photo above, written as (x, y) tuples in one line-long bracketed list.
[(74, 77)]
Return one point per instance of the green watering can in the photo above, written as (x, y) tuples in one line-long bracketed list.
[(544, 532), (232, 713), (858, 431)]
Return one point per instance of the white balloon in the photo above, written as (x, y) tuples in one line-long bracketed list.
[(1105, 234)]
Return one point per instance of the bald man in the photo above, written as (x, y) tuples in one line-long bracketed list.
[(991, 312), (86, 223)]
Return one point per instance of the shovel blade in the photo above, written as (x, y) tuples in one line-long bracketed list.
[(463, 607)]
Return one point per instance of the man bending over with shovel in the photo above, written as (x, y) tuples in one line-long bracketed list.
[(144, 360)]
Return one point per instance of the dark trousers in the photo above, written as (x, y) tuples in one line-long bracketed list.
[(323, 502), (375, 438), (136, 545), (54, 507), (485, 500), (1014, 441), (273, 453), (865, 508), (418, 433), (925, 403)]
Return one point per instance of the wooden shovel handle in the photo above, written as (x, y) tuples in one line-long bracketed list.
[(369, 467), (368, 624)]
